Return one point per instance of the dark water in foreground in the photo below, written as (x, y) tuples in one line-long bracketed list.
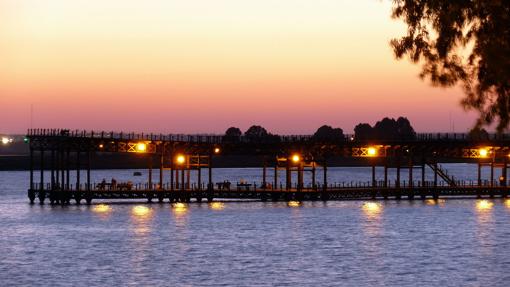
[(353, 243)]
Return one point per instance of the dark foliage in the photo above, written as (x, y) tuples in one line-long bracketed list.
[(386, 129), (328, 134), (232, 134), (462, 41), (363, 132), (478, 134), (259, 134)]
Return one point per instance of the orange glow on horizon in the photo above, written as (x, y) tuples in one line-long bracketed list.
[(229, 63)]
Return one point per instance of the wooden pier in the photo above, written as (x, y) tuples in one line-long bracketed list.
[(178, 156)]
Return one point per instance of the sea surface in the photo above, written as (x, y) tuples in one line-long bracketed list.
[(449, 242)]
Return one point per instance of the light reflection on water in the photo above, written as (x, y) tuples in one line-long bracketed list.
[(350, 243), (216, 205)]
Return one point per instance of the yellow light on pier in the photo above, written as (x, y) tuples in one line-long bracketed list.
[(483, 152), (296, 158), (180, 159), (101, 146), (217, 150), (141, 147), (372, 151)]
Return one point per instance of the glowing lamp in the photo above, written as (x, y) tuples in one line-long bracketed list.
[(101, 145), (217, 150), (6, 140), (483, 152), (372, 151), (141, 147), (180, 159), (296, 158)]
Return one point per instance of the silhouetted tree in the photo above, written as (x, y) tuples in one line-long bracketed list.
[(386, 129), (256, 132), (405, 130), (363, 132), (440, 33), (477, 133), (232, 134), (259, 134), (327, 133)]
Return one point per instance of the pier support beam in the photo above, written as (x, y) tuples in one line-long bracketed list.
[(300, 177), (385, 175), (52, 167), (199, 174), (504, 182), (210, 187), (410, 194), (288, 178), (423, 174), (264, 174), (150, 171), (161, 163), (435, 174), (77, 194), (325, 194), (479, 174), (398, 192), (313, 176), (31, 192), (275, 186), (42, 194), (374, 183), (88, 197), (492, 174)]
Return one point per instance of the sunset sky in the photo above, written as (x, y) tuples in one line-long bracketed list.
[(201, 66)]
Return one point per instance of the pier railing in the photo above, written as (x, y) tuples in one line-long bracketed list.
[(217, 139), (257, 187)]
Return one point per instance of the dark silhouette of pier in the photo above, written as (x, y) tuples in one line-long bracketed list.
[(179, 156)]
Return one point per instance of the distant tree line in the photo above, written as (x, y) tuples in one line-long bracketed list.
[(386, 129)]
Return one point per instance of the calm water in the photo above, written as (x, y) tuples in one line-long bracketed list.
[(353, 243)]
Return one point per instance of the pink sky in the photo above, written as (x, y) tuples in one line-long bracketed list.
[(201, 66)]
